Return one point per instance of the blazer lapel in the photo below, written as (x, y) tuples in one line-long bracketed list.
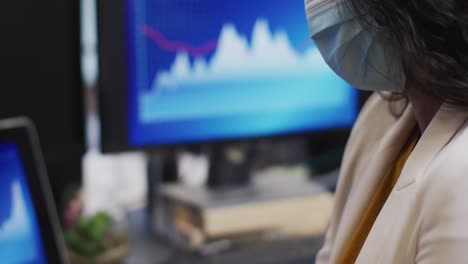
[(364, 188), (440, 131)]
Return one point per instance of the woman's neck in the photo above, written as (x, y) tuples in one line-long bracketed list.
[(425, 107)]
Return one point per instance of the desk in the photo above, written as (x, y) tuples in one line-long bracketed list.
[(146, 249)]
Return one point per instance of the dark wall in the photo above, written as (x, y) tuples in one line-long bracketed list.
[(40, 78)]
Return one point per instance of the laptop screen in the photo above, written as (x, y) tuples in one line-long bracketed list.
[(20, 236)]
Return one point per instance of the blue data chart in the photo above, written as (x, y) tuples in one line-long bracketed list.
[(20, 238), (211, 70)]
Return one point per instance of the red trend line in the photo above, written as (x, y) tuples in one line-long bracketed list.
[(174, 46)]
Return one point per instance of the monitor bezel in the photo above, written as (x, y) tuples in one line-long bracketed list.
[(113, 89), (22, 132)]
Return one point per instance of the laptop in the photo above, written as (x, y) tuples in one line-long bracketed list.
[(29, 227)]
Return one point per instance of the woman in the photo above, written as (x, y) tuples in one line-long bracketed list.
[(402, 196)]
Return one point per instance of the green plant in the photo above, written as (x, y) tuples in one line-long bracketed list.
[(91, 237)]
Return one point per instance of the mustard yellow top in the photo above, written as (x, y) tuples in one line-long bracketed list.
[(354, 246)]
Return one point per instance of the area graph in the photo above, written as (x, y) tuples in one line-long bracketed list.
[(209, 69), (240, 68)]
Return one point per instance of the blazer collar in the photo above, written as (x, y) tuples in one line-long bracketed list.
[(362, 190), (443, 127), (440, 131)]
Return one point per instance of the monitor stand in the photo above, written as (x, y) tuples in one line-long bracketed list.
[(230, 165), (230, 168)]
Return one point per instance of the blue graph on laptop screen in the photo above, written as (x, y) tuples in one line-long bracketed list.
[(20, 238), (211, 69)]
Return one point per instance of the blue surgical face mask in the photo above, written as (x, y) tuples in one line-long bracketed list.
[(361, 55)]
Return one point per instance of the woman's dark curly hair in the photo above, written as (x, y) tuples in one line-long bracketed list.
[(431, 37)]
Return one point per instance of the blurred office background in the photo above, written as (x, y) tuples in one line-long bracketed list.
[(212, 130)]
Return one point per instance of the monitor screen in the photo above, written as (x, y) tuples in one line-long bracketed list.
[(20, 237), (210, 70)]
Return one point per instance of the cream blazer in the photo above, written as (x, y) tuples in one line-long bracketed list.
[(425, 219)]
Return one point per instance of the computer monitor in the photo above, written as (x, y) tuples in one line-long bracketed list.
[(20, 238), (188, 71), (29, 228)]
